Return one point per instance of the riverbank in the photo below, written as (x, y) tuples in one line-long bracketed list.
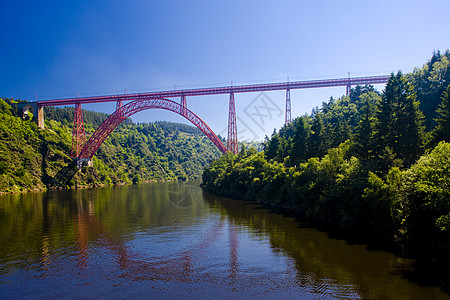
[(338, 192), (76, 187), (376, 164)]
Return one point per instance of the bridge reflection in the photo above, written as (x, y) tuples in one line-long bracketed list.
[(93, 236), (136, 238)]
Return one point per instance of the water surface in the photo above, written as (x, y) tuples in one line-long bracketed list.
[(172, 240)]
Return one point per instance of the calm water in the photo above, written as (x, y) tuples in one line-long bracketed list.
[(171, 240)]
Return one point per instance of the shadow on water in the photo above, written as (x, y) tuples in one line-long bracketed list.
[(348, 259), (429, 273)]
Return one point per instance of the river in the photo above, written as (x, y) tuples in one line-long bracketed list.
[(174, 241)]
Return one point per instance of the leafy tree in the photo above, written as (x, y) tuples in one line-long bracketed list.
[(425, 199), (386, 190), (133, 152), (243, 152), (5, 107), (430, 82)]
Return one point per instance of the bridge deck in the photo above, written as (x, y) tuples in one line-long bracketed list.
[(221, 90)]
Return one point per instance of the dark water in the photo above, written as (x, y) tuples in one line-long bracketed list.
[(171, 240)]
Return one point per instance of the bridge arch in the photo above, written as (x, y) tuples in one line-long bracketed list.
[(133, 107)]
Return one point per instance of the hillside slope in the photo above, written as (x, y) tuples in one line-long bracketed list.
[(32, 159), (367, 163)]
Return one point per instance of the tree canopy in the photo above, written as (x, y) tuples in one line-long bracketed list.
[(35, 159), (371, 162)]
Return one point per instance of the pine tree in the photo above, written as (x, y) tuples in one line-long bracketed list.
[(341, 133), (442, 130), (400, 122), (271, 146), (284, 148), (366, 127), (430, 82), (410, 127), (385, 134), (315, 142), (298, 151)]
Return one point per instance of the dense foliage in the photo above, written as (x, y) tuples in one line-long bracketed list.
[(36, 159), (365, 162)]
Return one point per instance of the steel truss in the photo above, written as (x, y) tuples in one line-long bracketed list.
[(129, 109), (222, 90), (78, 133), (232, 143), (157, 100)]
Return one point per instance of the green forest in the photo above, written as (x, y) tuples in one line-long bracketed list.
[(33, 159), (373, 163)]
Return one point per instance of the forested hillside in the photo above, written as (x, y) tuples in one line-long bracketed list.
[(377, 163), (33, 159)]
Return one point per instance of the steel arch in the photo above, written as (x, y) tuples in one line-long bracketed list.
[(125, 111)]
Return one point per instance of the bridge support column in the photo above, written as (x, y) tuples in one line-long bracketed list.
[(349, 86), (288, 107), (40, 116), (80, 161), (232, 143), (78, 133), (38, 112), (119, 104), (183, 105)]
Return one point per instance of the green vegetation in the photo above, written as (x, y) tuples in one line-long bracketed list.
[(372, 163), (32, 159)]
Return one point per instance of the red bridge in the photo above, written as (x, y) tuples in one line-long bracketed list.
[(135, 103)]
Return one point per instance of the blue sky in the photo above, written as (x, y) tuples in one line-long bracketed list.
[(58, 49)]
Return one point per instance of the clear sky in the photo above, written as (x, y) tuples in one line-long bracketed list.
[(59, 49)]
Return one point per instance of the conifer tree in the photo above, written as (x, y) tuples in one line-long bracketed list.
[(315, 142), (271, 146), (442, 130), (400, 122), (298, 151), (363, 138), (410, 127), (385, 133)]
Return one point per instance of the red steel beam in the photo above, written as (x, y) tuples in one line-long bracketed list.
[(287, 116), (221, 90), (133, 107), (78, 133), (232, 142)]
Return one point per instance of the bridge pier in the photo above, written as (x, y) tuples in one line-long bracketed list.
[(81, 162), (40, 117), (78, 133), (183, 105), (288, 107), (349, 86), (38, 112), (232, 143)]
